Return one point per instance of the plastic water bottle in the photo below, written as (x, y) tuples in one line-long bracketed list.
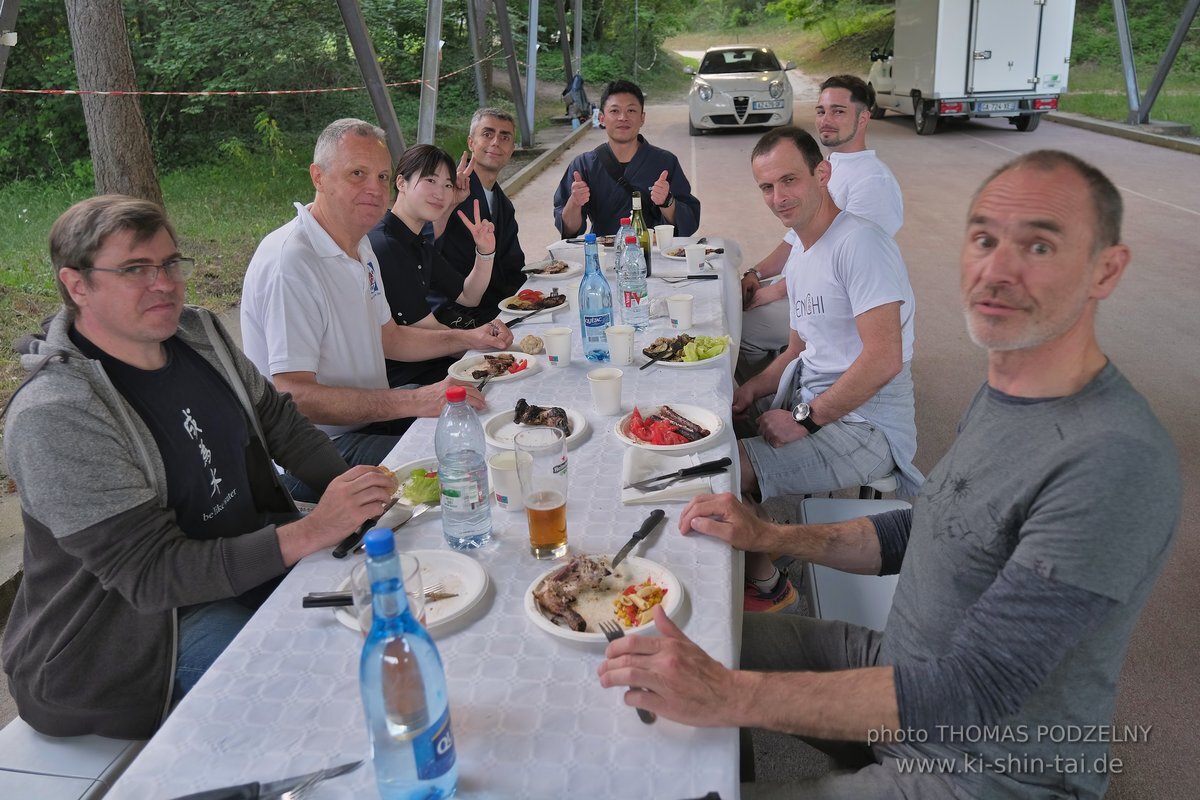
[(595, 303), (635, 296), (462, 473), (619, 248), (403, 689)]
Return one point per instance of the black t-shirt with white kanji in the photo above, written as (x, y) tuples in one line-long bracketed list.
[(201, 432)]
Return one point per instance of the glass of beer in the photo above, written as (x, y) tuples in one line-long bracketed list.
[(543, 479)]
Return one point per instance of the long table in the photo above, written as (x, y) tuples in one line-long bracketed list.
[(529, 715)]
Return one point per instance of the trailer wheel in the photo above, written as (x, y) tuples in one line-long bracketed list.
[(925, 123), (1027, 122), (875, 110)]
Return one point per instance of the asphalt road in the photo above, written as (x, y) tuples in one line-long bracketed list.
[(1150, 328)]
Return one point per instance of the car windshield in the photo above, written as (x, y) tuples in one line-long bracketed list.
[(744, 60)]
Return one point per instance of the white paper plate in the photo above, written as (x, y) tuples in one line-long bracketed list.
[(681, 256), (429, 464), (500, 430), (461, 369), (573, 268), (503, 305), (701, 416), (597, 606), (707, 362), (459, 574)]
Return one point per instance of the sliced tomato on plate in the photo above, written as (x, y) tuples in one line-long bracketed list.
[(530, 295), (518, 366)]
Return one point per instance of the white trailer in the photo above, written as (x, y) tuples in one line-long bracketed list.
[(974, 58)]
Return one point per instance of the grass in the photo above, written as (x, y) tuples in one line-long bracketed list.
[(1099, 91)]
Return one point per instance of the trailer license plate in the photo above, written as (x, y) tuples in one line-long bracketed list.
[(760, 105), (999, 105)]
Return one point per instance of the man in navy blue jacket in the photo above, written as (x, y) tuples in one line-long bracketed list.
[(597, 186), (491, 142)]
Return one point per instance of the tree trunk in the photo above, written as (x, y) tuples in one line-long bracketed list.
[(120, 146)]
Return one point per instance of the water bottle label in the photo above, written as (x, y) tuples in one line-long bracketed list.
[(596, 320), (461, 495), (433, 749), (633, 298)]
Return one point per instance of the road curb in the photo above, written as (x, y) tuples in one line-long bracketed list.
[(535, 167), (1131, 132)]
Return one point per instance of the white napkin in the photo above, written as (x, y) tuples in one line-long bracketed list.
[(639, 464)]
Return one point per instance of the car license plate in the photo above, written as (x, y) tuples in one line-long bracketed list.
[(760, 105), (998, 105)]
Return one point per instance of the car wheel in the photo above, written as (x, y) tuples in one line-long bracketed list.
[(693, 130), (925, 123), (1027, 122), (875, 110)]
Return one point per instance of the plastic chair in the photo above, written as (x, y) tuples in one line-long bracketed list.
[(832, 594)]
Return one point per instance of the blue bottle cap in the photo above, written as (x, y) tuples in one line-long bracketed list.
[(379, 542), (589, 238)]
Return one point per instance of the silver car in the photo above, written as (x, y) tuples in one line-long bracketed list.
[(739, 86)]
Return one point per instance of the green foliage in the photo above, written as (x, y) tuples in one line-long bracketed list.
[(804, 11)]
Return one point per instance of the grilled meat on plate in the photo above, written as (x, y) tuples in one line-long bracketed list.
[(494, 365), (557, 593), (547, 416)]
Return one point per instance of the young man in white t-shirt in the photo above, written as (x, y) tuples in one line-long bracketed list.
[(860, 183), (842, 413)]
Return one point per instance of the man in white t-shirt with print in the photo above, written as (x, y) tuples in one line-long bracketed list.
[(860, 183), (842, 410), (315, 318)]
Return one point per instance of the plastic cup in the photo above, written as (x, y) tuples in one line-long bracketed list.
[(679, 309), (664, 235), (558, 346), (620, 344), (694, 253), (502, 471), (544, 489), (606, 390), (414, 589)]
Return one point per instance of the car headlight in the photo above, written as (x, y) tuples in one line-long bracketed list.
[(705, 91), (776, 89)]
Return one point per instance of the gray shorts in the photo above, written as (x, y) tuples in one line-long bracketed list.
[(841, 455)]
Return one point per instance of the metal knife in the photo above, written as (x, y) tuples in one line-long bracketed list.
[(350, 542), (707, 468), (656, 516), (512, 323), (255, 791)]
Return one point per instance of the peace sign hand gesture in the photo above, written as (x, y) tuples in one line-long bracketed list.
[(462, 179), (483, 231)]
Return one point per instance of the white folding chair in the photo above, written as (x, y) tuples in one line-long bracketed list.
[(832, 594)]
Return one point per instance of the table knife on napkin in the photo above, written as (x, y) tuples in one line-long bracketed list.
[(707, 468), (656, 516), (274, 789)]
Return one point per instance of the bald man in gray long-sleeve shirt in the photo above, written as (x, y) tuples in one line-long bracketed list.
[(1024, 565)]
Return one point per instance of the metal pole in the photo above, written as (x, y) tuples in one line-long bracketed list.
[(1123, 40), (1168, 59), (514, 75), (476, 56), (427, 119), (364, 53), (8, 24), (577, 13), (531, 62)]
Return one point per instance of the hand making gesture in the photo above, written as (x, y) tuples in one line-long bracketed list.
[(580, 193), (462, 179), (483, 231), (661, 190)]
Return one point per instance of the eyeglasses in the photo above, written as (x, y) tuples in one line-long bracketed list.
[(177, 269)]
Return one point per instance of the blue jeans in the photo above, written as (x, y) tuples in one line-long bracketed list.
[(205, 630), (369, 445)]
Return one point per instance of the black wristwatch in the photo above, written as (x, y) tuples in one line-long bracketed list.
[(802, 413), (670, 201)]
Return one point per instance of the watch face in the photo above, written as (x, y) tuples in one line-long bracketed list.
[(801, 412)]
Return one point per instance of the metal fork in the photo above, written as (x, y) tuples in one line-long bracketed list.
[(613, 631), (303, 790)]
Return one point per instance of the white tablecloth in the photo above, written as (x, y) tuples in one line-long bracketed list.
[(529, 716)]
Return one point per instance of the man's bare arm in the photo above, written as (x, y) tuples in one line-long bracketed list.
[(344, 405), (881, 359), (418, 343)]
